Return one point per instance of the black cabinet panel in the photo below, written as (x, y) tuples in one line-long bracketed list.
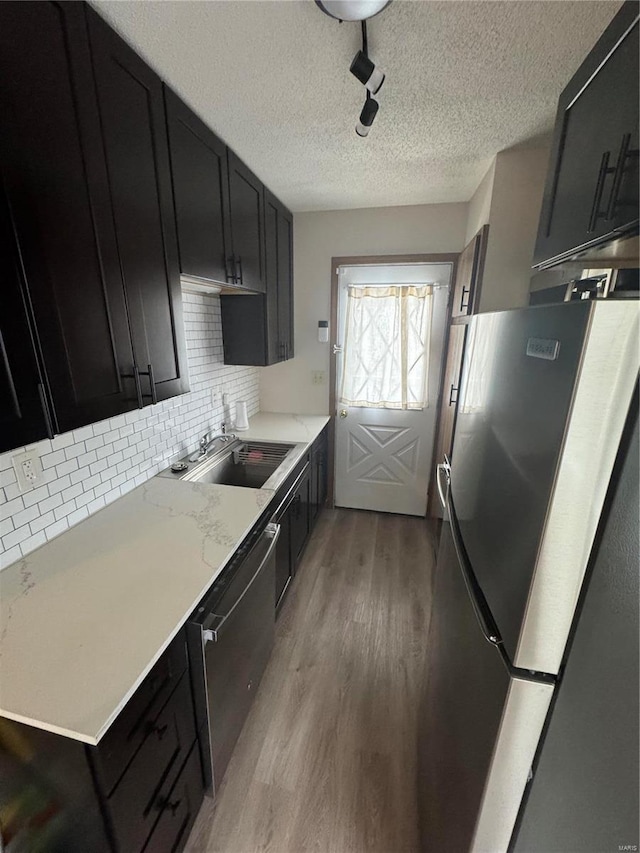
[(285, 283), (57, 188), (23, 417), (274, 344), (318, 485), (300, 522), (132, 112), (179, 810), (592, 185), (247, 224), (200, 192)]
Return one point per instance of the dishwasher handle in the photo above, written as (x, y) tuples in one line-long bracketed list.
[(272, 532)]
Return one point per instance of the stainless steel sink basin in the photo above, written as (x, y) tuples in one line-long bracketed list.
[(250, 464)]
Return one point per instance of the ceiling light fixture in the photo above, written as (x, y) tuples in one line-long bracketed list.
[(362, 67), (352, 10)]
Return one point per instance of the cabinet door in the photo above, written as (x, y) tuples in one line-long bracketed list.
[(23, 414), (274, 340), (57, 188), (285, 281), (132, 113), (466, 293), (284, 567), (247, 224), (448, 409), (300, 517), (200, 193), (592, 185)]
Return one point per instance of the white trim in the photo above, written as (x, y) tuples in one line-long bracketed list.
[(604, 387), (522, 720)]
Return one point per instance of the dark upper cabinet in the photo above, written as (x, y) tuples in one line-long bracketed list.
[(23, 409), (58, 194), (132, 113), (201, 194), (285, 282), (247, 225), (259, 330), (591, 194)]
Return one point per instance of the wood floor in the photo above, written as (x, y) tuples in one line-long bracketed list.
[(326, 761)]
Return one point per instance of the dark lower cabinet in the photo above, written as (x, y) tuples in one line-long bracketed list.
[(179, 810), (247, 224), (201, 194), (24, 413), (58, 194), (319, 472), (139, 789), (297, 513), (132, 115), (591, 193)]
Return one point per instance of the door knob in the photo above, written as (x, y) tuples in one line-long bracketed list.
[(343, 413)]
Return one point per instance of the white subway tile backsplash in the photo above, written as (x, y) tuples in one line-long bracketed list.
[(92, 466), (51, 459)]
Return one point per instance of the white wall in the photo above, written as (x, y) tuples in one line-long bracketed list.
[(319, 236), (89, 467), (480, 204), (516, 199)]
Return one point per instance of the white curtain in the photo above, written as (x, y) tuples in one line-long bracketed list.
[(386, 346)]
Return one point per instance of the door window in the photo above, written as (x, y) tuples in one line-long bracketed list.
[(386, 346)]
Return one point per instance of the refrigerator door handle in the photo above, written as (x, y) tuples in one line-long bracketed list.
[(443, 471), (480, 607)]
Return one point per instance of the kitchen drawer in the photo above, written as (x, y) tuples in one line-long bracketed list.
[(179, 809), (118, 746), (139, 796)]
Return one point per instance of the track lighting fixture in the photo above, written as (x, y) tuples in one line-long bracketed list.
[(352, 10), (366, 72), (362, 67), (367, 116)]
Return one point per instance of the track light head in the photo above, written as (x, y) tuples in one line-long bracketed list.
[(364, 70), (367, 116)]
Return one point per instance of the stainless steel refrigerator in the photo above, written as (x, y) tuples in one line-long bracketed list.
[(545, 396)]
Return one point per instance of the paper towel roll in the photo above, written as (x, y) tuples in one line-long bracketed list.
[(242, 421)]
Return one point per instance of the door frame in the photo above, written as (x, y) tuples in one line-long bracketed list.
[(374, 260)]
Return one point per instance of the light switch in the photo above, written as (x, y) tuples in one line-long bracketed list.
[(318, 377)]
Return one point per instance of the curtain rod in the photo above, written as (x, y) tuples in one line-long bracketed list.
[(396, 284)]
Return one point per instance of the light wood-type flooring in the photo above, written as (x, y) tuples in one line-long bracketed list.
[(327, 759)]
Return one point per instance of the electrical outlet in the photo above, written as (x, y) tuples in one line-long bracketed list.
[(318, 377), (28, 469)]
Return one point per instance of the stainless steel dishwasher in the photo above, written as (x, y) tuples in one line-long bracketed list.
[(231, 636)]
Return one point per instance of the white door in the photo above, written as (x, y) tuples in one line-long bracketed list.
[(383, 455)]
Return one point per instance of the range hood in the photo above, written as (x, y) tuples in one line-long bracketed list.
[(194, 284)]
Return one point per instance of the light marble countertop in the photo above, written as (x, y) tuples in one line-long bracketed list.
[(85, 617)]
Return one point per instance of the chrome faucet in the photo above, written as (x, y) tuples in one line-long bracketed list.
[(207, 440)]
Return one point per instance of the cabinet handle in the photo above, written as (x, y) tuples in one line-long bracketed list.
[(159, 731), (229, 263), (453, 390), (596, 213), (152, 384), (464, 307), (240, 276), (135, 375), (45, 410), (173, 807), (623, 155)]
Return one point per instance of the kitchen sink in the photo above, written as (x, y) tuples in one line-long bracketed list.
[(249, 464)]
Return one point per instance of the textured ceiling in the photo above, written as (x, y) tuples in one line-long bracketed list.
[(464, 80)]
